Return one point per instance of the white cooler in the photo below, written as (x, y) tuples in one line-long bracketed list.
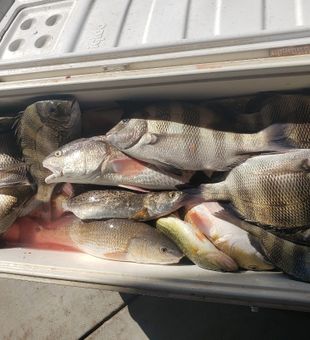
[(103, 50)]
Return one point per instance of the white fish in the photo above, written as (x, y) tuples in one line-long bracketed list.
[(233, 241)]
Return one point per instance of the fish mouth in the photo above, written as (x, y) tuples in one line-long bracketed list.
[(53, 177)]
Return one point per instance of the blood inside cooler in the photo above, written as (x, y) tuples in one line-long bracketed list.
[(219, 67)]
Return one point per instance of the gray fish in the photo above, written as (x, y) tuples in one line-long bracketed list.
[(12, 202), (176, 136), (43, 127), (93, 161), (291, 258), (270, 190), (124, 240), (102, 204)]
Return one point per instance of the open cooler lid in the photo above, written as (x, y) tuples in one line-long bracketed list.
[(119, 33)]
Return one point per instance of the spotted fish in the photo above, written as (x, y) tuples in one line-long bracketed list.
[(100, 204)]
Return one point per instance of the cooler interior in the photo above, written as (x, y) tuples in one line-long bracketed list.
[(272, 289)]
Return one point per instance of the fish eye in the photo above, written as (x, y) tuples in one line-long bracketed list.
[(58, 153), (163, 250), (125, 120), (52, 109), (172, 194)]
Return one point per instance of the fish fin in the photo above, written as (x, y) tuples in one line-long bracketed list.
[(16, 126), (305, 165), (227, 214), (141, 215), (149, 138), (127, 166), (168, 168), (209, 192), (208, 173), (277, 142), (277, 138), (7, 123), (191, 191), (117, 256), (132, 187)]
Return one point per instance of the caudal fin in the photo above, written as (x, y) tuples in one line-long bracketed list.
[(275, 138), (209, 192)]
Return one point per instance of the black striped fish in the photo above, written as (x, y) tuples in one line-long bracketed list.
[(297, 236), (12, 170), (268, 189), (43, 127), (293, 259), (177, 135), (292, 110)]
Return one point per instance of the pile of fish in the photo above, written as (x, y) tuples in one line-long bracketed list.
[(226, 185)]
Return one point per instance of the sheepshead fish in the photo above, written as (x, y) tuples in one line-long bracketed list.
[(12, 201), (229, 238), (12, 169), (297, 236), (42, 128), (102, 204), (124, 240), (292, 110), (176, 136), (195, 245), (271, 190), (293, 259), (93, 161)]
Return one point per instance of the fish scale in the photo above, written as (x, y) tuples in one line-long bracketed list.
[(293, 110), (101, 204), (123, 240), (183, 139), (12, 200), (43, 127), (291, 258), (270, 190), (227, 237), (94, 161), (12, 169)]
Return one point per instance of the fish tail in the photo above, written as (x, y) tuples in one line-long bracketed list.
[(209, 192), (273, 138)]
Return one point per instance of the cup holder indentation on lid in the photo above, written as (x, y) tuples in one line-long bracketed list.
[(52, 20), (26, 24), (40, 42), (15, 45)]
